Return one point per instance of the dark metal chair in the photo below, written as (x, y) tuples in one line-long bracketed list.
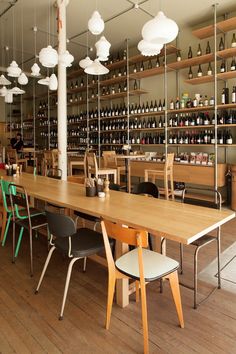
[(26, 217), (75, 244), (187, 197), (151, 190)]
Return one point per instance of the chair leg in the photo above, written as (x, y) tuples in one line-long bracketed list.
[(67, 286), (31, 251), (45, 268), (166, 186), (172, 186), (19, 241), (195, 280), (150, 241), (137, 291), (144, 316), (110, 296), (13, 242), (145, 176), (6, 229), (181, 253), (4, 222), (174, 284), (218, 256), (84, 265)]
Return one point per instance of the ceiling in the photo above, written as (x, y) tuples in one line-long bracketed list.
[(122, 21)]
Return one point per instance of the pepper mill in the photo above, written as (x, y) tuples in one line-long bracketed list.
[(106, 186)]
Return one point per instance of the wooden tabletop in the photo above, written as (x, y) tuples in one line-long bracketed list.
[(177, 221)]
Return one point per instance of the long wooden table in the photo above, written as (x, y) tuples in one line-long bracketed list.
[(176, 221)]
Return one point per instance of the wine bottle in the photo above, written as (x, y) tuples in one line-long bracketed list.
[(178, 56), (206, 102), (190, 73), (151, 107), (172, 104), (233, 42), (160, 106), (233, 65), (234, 94), (142, 66), (190, 53), (199, 50), (209, 70), (157, 62), (177, 104), (199, 72), (135, 85), (221, 45), (149, 64), (208, 48), (222, 67), (135, 68)]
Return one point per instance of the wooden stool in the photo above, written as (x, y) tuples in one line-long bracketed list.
[(166, 175)]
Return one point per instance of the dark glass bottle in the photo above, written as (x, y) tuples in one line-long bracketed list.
[(190, 53), (208, 48)]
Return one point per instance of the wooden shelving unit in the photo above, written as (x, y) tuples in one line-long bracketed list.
[(148, 73), (222, 27), (205, 79), (185, 63)]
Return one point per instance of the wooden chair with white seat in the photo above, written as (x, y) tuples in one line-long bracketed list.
[(91, 168), (166, 174), (110, 161), (141, 265)]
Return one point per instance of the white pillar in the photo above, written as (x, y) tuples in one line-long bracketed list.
[(62, 91)]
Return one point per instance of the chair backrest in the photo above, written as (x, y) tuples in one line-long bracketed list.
[(6, 194), (123, 234), (148, 188), (19, 201), (54, 158), (60, 225), (47, 155), (91, 162), (12, 156), (109, 159), (189, 194), (55, 173), (169, 161)]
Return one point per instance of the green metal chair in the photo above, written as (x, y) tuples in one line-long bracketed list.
[(6, 204), (24, 216)]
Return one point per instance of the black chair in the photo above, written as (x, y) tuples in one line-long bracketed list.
[(75, 244), (188, 198), (24, 216), (149, 189)]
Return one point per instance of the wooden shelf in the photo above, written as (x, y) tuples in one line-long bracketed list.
[(227, 75), (226, 106), (74, 74), (132, 130), (200, 80), (205, 145), (113, 81), (185, 63), (191, 127), (123, 94), (149, 72), (222, 26), (170, 49), (117, 64), (148, 114), (226, 53), (189, 110), (76, 90)]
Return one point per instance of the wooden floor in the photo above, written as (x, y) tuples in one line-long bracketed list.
[(29, 323)]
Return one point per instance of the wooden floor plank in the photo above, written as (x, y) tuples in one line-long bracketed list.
[(29, 323)]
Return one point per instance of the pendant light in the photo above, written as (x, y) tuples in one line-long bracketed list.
[(13, 69), (96, 24), (3, 91), (66, 59), (4, 81), (84, 63), (102, 47), (23, 79), (149, 49), (48, 57), (8, 97), (53, 83), (96, 68), (16, 91), (44, 81), (160, 29), (35, 70)]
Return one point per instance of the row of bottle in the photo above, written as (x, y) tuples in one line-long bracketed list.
[(201, 137), (208, 48), (209, 72)]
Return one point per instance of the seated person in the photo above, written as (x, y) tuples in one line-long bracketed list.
[(17, 143)]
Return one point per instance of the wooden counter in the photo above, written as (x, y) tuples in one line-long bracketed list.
[(193, 174)]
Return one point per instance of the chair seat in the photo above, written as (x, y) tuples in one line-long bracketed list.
[(86, 216), (38, 219), (84, 243), (203, 240), (155, 264)]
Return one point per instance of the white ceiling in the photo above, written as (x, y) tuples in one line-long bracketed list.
[(128, 24)]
